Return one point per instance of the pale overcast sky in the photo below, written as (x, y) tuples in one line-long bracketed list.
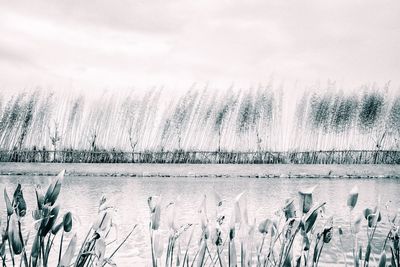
[(122, 43)]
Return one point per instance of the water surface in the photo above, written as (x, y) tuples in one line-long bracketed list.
[(81, 195)]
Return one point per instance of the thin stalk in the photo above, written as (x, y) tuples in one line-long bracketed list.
[(219, 257), (343, 252), (187, 248), (23, 256), (319, 254), (42, 250), (120, 245), (152, 249), (229, 253), (172, 251), (9, 242), (260, 250), (61, 246), (242, 256), (82, 248)]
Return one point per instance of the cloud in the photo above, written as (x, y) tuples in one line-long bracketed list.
[(123, 43)]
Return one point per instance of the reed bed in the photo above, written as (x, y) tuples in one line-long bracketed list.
[(266, 118), (44, 243), (206, 157)]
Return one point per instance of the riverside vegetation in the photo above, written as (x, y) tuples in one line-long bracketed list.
[(263, 119), (16, 248), (296, 235)]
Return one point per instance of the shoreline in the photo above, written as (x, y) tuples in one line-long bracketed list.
[(204, 170)]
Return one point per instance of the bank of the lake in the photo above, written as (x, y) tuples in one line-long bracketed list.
[(205, 170)]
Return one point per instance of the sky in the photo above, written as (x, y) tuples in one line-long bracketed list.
[(95, 44)]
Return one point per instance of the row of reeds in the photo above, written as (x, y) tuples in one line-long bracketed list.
[(205, 157), (264, 118), (44, 243), (295, 236)]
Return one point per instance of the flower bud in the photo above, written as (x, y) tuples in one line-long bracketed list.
[(265, 226), (306, 199), (352, 198), (19, 201), (327, 235), (51, 221), (340, 230), (56, 228), (155, 211), (54, 189), (310, 220), (382, 260), (289, 209), (67, 222)]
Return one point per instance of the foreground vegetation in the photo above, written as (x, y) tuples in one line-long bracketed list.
[(37, 247), (294, 237), (297, 235)]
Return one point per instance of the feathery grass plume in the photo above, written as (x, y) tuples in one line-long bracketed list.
[(219, 121), (372, 105), (394, 121), (320, 111), (352, 198), (345, 113), (244, 121)]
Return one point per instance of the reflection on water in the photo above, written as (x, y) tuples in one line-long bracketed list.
[(265, 196)]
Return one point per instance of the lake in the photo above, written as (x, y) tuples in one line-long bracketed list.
[(81, 195)]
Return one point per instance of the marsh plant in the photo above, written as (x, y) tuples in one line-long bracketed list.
[(44, 243), (296, 235), (202, 119)]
